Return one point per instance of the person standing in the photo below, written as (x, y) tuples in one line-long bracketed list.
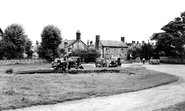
[(69, 62), (143, 60)]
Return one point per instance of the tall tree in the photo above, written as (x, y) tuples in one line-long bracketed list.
[(51, 39), (28, 48), (14, 40), (171, 41), (134, 52), (147, 51)]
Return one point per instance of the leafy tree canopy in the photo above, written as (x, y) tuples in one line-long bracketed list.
[(134, 52), (28, 48), (13, 41), (171, 41), (51, 39), (88, 55)]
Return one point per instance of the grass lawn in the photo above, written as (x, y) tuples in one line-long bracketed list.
[(18, 90)]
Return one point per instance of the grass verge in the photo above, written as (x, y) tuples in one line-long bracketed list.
[(18, 91)]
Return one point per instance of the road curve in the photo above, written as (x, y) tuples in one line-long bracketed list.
[(145, 100)]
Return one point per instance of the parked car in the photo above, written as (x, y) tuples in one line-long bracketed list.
[(154, 60), (100, 62), (115, 62), (72, 62)]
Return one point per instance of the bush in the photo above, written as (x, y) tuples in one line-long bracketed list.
[(10, 92), (9, 71)]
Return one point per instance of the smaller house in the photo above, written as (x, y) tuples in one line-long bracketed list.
[(109, 48), (72, 45)]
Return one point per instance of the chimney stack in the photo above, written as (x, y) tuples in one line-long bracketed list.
[(65, 44), (97, 42), (87, 42), (123, 39), (78, 34), (143, 42)]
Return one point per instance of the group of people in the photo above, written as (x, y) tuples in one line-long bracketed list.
[(65, 63)]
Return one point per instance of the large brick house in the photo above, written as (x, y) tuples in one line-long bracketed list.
[(109, 48), (72, 45)]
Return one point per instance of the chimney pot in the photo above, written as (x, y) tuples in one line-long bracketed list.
[(91, 42), (143, 42), (87, 42), (78, 34), (123, 39)]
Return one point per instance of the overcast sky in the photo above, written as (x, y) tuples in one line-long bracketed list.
[(111, 19)]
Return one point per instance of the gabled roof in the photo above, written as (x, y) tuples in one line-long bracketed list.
[(69, 43), (112, 43)]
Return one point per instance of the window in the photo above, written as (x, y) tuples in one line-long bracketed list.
[(69, 49), (122, 49)]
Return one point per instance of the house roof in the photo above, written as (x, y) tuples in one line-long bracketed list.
[(112, 43), (69, 43)]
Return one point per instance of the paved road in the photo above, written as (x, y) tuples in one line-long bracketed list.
[(144, 100)]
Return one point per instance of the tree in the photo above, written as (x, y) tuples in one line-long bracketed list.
[(171, 41), (88, 55), (28, 46), (92, 54), (13, 41), (147, 51), (51, 39), (2, 49), (134, 52)]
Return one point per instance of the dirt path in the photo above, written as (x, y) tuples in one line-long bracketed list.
[(145, 100)]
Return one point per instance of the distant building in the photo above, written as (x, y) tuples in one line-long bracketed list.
[(72, 45), (109, 48), (134, 43)]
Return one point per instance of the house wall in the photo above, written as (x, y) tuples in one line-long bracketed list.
[(108, 52)]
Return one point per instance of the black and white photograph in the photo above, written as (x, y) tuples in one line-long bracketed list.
[(92, 55)]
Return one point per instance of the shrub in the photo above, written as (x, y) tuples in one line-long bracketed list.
[(9, 71), (10, 92)]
